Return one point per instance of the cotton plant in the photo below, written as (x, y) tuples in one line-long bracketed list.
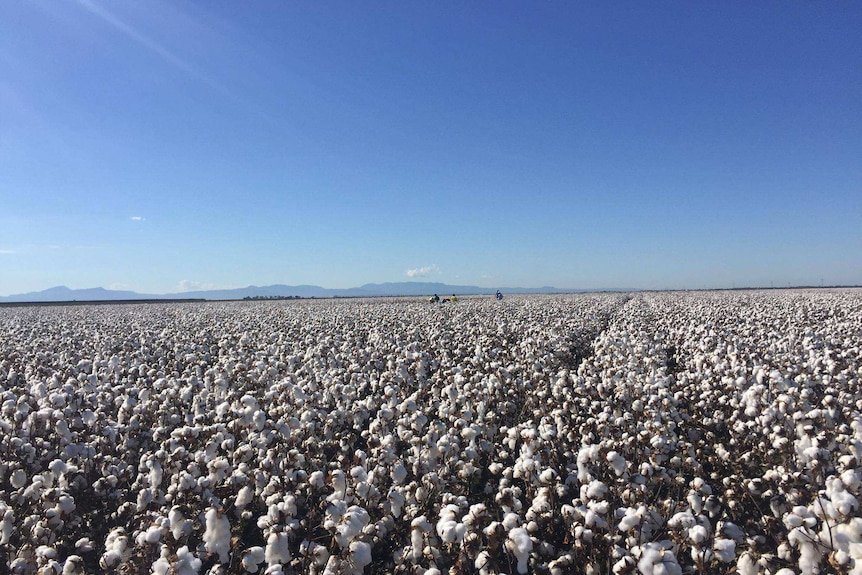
[(456, 430)]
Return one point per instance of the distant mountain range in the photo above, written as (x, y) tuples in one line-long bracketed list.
[(64, 294)]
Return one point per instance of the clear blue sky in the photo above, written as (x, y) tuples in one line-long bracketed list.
[(167, 144)]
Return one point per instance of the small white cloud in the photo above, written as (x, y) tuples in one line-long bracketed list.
[(6, 252), (119, 286), (137, 218), (192, 285), (423, 272)]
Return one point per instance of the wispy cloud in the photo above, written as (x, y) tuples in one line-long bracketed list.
[(150, 44), (137, 36), (423, 272), (137, 218), (192, 285), (6, 252)]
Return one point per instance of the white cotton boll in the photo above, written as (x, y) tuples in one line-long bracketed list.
[(657, 559), (511, 521), (84, 545), (145, 497), (725, 549), (162, 566), (792, 520), (399, 473), (596, 489), (696, 502), (187, 563), (852, 479), (351, 525), (74, 565), (483, 563), (317, 552), (117, 549), (252, 559), (477, 511), (417, 543), (66, 504), (6, 525), (629, 521), (58, 467), (316, 479), (360, 555), (842, 500), (396, 501), (46, 552), (701, 555), (244, 497), (179, 525), (448, 527), (732, 530), (682, 520), (18, 479), (547, 476), (618, 463), (746, 565), (277, 549), (698, 534), (217, 534), (339, 484), (625, 565), (520, 545), (153, 534)]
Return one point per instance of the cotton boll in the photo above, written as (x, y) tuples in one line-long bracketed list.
[(698, 534), (548, 476), (520, 545), (84, 545), (179, 525), (448, 527), (625, 564), (399, 473), (351, 525), (243, 498), (252, 558), (731, 530), (117, 549), (277, 550), (187, 563), (74, 565), (360, 556), (629, 520), (483, 563), (162, 565), (6, 524), (617, 462), (725, 550), (746, 564), (396, 501), (217, 534), (658, 559), (318, 553), (18, 478)]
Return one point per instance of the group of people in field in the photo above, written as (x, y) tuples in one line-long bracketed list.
[(436, 298)]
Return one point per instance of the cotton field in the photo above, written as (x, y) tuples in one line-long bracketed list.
[(661, 433)]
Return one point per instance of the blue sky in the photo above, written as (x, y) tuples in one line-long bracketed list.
[(167, 145)]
